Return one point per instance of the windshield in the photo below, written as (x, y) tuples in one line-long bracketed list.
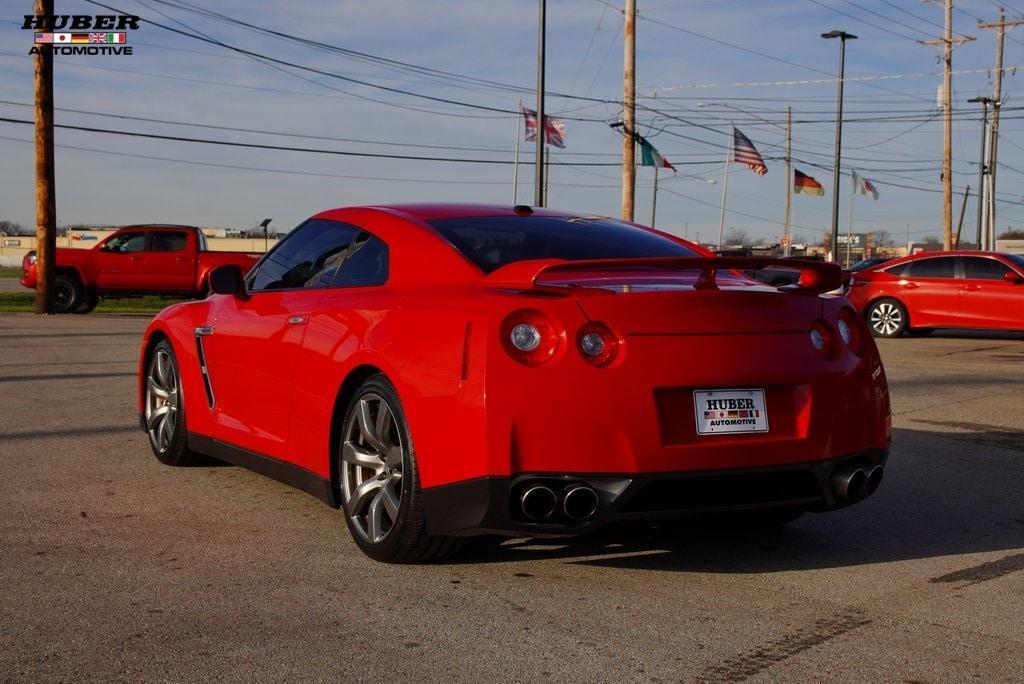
[(491, 242)]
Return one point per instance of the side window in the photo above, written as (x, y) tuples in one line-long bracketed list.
[(980, 268), (307, 257), (900, 270), (167, 242), (365, 264), (127, 242), (939, 267)]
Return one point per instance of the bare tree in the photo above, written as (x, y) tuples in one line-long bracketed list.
[(1012, 234)]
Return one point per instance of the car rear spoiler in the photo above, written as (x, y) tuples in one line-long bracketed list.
[(815, 277)]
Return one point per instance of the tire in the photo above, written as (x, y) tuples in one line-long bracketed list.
[(68, 293), (887, 318), (165, 409), (379, 481), (920, 332), (89, 302)]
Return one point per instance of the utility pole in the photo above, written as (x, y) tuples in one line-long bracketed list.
[(947, 42), (538, 174), (985, 102), (789, 180), (997, 96), (843, 36), (46, 197), (629, 111)]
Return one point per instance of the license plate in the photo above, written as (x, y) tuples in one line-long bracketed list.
[(730, 411)]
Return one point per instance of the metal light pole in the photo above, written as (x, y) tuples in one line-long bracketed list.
[(843, 36), (538, 174), (985, 102)]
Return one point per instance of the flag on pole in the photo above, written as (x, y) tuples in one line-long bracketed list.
[(554, 129), (651, 157), (864, 186), (744, 152), (802, 183)]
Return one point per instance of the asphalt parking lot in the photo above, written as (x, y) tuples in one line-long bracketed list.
[(115, 567)]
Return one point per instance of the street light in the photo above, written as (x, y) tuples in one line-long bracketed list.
[(843, 36), (985, 102)]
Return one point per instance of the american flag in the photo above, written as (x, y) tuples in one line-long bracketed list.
[(744, 152), (554, 129)]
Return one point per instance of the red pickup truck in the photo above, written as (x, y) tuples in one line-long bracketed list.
[(147, 259)]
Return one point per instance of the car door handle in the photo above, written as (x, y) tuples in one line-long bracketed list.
[(295, 320), (135, 258), (910, 286), (971, 287)]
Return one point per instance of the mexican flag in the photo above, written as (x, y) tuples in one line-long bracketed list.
[(651, 157)]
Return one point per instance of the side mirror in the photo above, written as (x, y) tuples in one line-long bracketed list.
[(227, 279), (1013, 278)]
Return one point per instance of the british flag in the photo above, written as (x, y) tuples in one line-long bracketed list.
[(554, 129)]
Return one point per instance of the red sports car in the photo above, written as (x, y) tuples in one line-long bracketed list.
[(919, 293), (444, 371)]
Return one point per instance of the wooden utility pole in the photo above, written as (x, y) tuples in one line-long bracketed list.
[(46, 198), (789, 181), (947, 43), (629, 112), (997, 96)]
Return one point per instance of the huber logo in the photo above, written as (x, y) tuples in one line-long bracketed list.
[(81, 34)]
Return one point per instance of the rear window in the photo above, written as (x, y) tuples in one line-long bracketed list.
[(494, 241)]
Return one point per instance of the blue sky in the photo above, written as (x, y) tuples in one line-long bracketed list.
[(696, 86)]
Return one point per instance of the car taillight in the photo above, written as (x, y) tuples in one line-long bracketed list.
[(530, 337), (823, 339), (598, 344), (851, 330)]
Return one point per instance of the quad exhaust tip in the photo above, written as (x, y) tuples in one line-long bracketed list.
[(538, 502), (874, 479), (580, 503), (849, 483)]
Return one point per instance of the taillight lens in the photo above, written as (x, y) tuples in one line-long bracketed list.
[(823, 339), (530, 337), (598, 344), (851, 330)]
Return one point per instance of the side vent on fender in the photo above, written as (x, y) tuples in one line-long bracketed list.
[(207, 385)]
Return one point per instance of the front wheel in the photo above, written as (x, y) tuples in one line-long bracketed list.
[(89, 302), (380, 490), (887, 318), (165, 409), (68, 294)]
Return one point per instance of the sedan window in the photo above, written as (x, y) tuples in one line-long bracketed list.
[(980, 268), (939, 267), (307, 257)]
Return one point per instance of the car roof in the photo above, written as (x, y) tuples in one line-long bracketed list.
[(159, 225), (428, 211)]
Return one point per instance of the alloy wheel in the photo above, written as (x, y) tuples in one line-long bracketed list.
[(372, 462), (161, 401), (62, 296), (886, 318)]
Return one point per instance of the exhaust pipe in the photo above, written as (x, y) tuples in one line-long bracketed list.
[(849, 483), (874, 479), (580, 503), (538, 502)]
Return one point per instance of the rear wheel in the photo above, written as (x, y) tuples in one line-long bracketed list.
[(68, 294), (887, 318), (165, 410), (380, 489)]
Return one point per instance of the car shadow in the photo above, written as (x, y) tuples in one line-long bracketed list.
[(967, 334), (943, 494)]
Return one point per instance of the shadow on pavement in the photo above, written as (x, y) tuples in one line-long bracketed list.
[(68, 432), (944, 494), (64, 376)]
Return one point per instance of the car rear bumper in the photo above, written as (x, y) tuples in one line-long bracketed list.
[(492, 505)]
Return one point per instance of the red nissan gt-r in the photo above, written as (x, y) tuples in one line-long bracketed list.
[(444, 371)]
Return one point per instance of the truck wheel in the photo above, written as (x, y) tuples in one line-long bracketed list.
[(89, 302), (68, 294)]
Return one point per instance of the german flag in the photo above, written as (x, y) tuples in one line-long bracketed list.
[(802, 183)]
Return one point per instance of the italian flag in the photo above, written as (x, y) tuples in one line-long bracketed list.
[(804, 184), (651, 157)]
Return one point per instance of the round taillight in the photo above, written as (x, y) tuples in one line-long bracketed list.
[(823, 339), (851, 330), (598, 344), (530, 337)]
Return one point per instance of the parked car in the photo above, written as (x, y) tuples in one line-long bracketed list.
[(146, 259), (919, 293), (861, 265), (444, 371), (783, 273)]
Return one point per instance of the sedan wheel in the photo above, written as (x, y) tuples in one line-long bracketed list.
[(164, 410), (887, 318), (372, 456)]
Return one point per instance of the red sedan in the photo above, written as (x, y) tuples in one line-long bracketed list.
[(444, 371), (919, 293)]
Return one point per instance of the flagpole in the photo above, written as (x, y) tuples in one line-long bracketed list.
[(849, 220), (654, 198), (789, 181), (515, 167), (725, 186), (547, 165)]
